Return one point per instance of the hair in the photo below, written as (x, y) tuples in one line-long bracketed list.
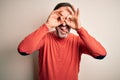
[(63, 4)]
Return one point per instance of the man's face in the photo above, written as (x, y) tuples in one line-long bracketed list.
[(63, 29)]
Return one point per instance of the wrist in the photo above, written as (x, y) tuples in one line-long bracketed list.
[(48, 25), (78, 27)]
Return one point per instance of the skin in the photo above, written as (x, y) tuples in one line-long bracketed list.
[(63, 19)]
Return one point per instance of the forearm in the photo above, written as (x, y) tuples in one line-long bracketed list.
[(32, 41), (93, 46)]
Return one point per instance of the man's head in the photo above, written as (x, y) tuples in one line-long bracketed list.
[(63, 29)]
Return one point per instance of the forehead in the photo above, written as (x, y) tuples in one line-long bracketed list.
[(66, 9)]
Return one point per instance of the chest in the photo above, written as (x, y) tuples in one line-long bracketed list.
[(62, 48)]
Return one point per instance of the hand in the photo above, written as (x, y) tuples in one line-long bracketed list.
[(73, 20), (54, 19)]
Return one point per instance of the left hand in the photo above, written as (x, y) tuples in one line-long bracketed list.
[(73, 20)]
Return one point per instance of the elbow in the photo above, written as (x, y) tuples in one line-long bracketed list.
[(100, 57), (22, 53)]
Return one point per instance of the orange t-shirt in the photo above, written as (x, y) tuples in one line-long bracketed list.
[(59, 58)]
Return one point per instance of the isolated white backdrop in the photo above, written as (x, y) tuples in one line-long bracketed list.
[(18, 18)]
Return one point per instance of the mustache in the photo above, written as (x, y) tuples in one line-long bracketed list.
[(64, 25)]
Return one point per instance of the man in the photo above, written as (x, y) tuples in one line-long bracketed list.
[(60, 50)]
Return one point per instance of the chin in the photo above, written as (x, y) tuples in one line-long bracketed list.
[(62, 35)]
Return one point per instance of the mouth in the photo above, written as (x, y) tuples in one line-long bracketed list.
[(64, 28)]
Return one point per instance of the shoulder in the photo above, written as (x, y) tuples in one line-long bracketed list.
[(50, 34), (75, 37), (71, 35)]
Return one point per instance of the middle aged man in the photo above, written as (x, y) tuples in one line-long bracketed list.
[(60, 51)]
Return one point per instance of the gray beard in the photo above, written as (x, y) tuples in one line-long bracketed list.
[(61, 35)]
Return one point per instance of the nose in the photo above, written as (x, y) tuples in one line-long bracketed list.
[(63, 23)]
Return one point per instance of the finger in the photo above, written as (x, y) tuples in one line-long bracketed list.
[(70, 18), (78, 12), (74, 9), (55, 14), (66, 8), (70, 10)]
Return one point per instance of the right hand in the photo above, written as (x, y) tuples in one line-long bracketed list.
[(54, 19)]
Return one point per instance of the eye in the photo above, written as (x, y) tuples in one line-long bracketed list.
[(59, 18)]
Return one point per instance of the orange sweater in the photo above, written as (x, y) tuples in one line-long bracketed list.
[(59, 58)]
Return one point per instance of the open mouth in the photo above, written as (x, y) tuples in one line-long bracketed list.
[(64, 29)]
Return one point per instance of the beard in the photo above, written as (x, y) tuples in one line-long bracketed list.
[(63, 30)]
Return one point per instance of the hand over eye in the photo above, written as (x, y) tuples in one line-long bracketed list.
[(54, 19), (73, 20)]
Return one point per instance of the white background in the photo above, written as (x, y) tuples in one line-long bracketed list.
[(18, 18)]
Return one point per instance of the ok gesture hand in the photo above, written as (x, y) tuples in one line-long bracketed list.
[(54, 19), (73, 20)]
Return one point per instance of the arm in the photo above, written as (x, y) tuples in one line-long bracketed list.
[(36, 39), (90, 45), (33, 41)]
